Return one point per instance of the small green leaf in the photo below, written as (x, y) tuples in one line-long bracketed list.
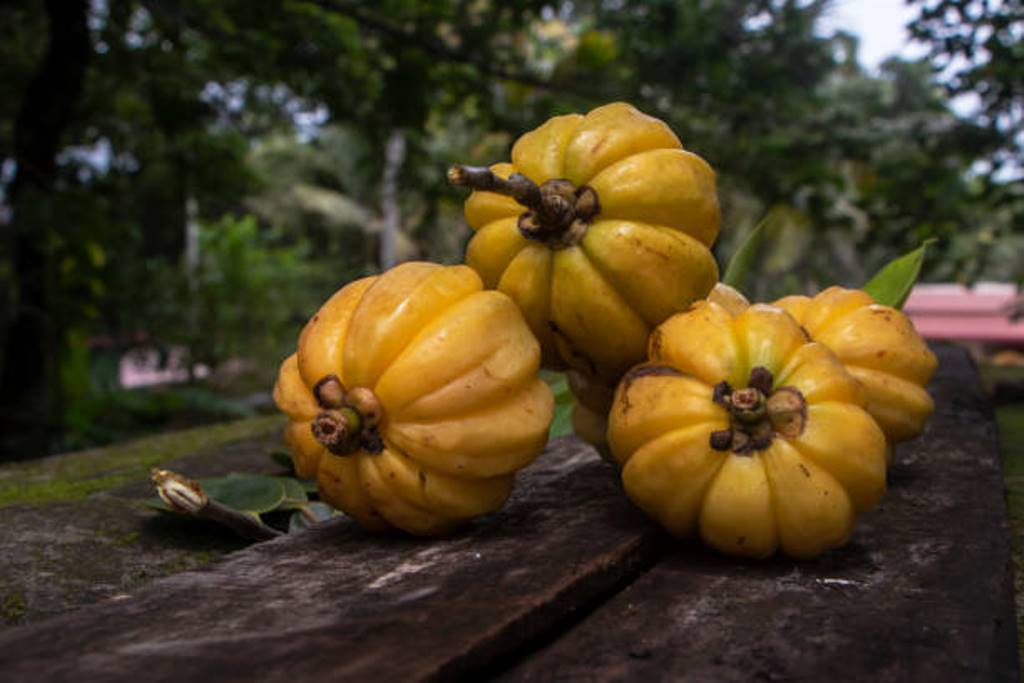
[(892, 284), (310, 514), (294, 494), (561, 423), (283, 459), (247, 492), (743, 260)]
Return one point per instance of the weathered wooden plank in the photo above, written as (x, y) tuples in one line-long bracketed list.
[(338, 603), (75, 531), (923, 593)]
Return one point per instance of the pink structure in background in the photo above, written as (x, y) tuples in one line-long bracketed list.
[(979, 314), (142, 367)]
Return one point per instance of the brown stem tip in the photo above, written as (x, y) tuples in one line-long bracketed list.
[(559, 213), (179, 493), (787, 411), (757, 414), (337, 430), (186, 496), (517, 186), (329, 392), (761, 379), (722, 392), (748, 404), (365, 402), (721, 440)]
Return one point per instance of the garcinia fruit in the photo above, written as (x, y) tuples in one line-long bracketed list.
[(413, 399)]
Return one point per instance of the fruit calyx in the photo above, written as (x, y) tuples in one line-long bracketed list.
[(559, 213), (349, 420), (757, 414)]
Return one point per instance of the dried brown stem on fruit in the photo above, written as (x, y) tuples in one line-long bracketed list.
[(559, 213), (365, 402), (787, 411), (329, 392), (747, 405), (761, 379), (517, 186), (757, 414), (338, 430), (721, 440)]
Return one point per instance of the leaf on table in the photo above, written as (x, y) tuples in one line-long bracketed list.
[(283, 459), (294, 493), (310, 514), (251, 493), (892, 284), (247, 492)]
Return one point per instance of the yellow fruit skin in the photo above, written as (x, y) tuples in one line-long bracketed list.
[(593, 400), (797, 496), (645, 256), (880, 347), (594, 396), (592, 426), (454, 368)]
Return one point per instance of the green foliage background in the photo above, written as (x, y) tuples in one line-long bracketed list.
[(223, 171)]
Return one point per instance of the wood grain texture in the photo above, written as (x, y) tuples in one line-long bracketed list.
[(334, 602), (569, 582), (56, 557), (922, 593)]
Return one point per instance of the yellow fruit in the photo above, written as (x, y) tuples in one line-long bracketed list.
[(608, 235), (880, 347), (593, 399), (741, 431), (413, 399), (594, 395)]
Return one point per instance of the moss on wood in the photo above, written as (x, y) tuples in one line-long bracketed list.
[(12, 608), (73, 477)]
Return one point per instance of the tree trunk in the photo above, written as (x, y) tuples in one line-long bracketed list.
[(29, 384), (190, 263), (394, 157)]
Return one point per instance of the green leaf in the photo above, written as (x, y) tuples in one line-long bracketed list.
[(561, 423), (253, 494), (283, 459), (892, 284), (310, 514), (743, 260), (294, 494), (246, 492)]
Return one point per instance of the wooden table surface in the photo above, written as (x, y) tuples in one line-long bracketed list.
[(569, 582)]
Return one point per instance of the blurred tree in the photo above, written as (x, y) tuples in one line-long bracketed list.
[(865, 165), (174, 93), (977, 53), (28, 374), (977, 47), (191, 110)]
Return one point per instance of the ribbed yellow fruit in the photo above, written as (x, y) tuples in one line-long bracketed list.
[(739, 430), (880, 347), (608, 235), (413, 399)]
